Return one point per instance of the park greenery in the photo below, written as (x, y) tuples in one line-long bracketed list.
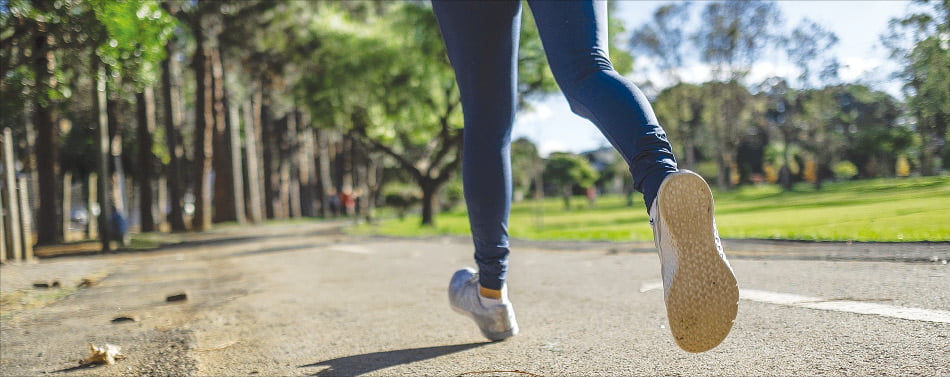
[(878, 210), (182, 114)]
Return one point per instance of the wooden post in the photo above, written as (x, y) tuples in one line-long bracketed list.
[(67, 203), (26, 218), (9, 195)]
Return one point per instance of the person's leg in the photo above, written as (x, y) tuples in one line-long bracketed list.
[(481, 39), (482, 42), (700, 289), (574, 34)]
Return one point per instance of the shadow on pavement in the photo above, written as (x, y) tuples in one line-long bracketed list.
[(356, 365), (75, 368)]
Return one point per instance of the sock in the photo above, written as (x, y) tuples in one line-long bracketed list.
[(491, 301)]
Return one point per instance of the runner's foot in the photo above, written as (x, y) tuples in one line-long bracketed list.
[(495, 317), (700, 288)]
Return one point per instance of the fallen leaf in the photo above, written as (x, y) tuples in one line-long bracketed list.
[(177, 297), (106, 354)]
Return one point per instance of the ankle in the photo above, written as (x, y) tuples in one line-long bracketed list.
[(489, 293)]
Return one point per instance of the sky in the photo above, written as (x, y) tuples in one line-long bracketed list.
[(858, 25)]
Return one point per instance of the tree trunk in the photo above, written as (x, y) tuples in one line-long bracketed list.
[(92, 200), (161, 220), (145, 107), (305, 163), (429, 202), (258, 114), (360, 167), (267, 147), (224, 189), (346, 168), (566, 195), (12, 216), (374, 186), (29, 163), (689, 146), (102, 143), (785, 173), (237, 168), (282, 176), (173, 122), (67, 203), (928, 147), (722, 177), (204, 133), (293, 162), (325, 182), (254, 175), (46, 147), (3, 226), (116, 193)]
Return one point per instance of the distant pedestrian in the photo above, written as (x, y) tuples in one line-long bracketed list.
[(349, 202), (481, 38), (591, 197)]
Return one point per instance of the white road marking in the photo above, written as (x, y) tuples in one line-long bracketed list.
[(818, 303), (914, 314), (649, 286)]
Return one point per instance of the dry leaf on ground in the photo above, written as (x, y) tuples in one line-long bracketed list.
[(106, 354)]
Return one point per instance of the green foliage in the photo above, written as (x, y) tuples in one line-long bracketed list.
[(137, 31), (733, 35), (845, 170), (919, 41), (664, 37), (621, 60), (913, 209), (565, 169), (535, 79), (452, 195), (526, 164), (680, 109), (402, 200), (393, 70), (808, 44)]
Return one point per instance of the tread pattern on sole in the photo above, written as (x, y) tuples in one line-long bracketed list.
[(702, 301)]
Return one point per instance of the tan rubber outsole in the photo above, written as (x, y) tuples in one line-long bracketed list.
[(703, 296)]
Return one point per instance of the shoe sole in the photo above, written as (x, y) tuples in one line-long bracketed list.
[(703, 297)]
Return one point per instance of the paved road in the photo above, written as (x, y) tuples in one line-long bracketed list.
[(306, 300)]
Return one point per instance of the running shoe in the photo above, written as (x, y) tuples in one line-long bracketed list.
[(700, 288), (496, 318)]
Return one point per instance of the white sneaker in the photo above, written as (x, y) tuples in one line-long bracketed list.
[(701, 293), (496, 318)]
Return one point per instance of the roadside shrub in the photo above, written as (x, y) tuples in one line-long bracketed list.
[(845, 170), (402, 202)]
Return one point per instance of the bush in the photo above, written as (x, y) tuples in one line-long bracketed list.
[(402, 202), (845, 170), (452, 195)]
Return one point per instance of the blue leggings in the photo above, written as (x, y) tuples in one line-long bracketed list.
[(481, 38)]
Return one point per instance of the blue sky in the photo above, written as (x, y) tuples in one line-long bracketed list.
[(858, 25)]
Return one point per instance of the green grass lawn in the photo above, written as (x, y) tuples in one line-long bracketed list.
[(913, 209)]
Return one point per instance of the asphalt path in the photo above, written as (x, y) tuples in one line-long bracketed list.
[(301, 300)]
